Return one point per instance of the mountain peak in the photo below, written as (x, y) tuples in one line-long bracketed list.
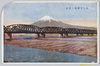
[(46, 18)]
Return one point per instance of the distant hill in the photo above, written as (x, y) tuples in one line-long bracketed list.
[(48, 21)]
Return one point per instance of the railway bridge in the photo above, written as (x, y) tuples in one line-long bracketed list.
[(41, 31)]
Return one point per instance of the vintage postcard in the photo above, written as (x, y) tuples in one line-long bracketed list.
[(50, 32)]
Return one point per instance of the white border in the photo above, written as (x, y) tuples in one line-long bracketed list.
[(98, 34), (54, 1), (2, 21), (2, 32)]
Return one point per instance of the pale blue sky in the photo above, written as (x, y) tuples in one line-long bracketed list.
[(34, 11)]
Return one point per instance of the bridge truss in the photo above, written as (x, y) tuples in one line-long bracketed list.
[(21, 28)]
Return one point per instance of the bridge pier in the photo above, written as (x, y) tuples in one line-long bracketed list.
[(37, 35), (4, 38), (43, 35), (61, 34), (81, 34), (88, 34), (65, 35), (10, 35), (77, 34)]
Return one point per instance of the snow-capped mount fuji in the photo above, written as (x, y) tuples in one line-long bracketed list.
[(48, 21), (46, 18)]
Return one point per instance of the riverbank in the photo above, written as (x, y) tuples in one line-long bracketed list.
[(82, 45)]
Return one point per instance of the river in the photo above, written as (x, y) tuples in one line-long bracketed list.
[(22, 54)]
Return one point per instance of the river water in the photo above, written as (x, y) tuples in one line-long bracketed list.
[(22, 54)]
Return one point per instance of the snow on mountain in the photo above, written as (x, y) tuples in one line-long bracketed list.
[(48, 21), (45, 18)]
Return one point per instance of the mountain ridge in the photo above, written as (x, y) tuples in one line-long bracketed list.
[(48, 21)]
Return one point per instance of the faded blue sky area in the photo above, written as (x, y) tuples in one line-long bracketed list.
[(34, 11)]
